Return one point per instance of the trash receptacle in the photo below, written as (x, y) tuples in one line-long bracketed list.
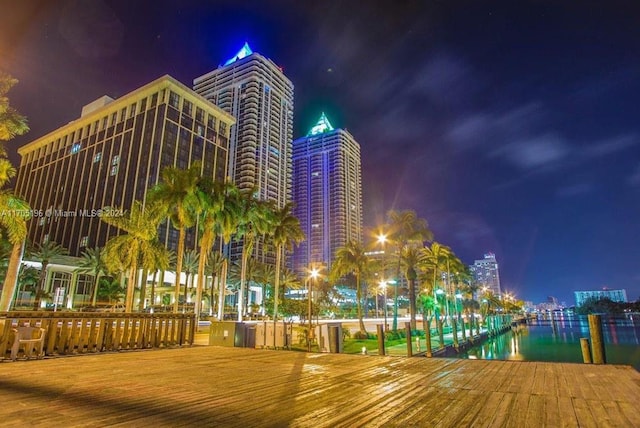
[(335, 337)]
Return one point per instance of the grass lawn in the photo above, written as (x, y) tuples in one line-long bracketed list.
[(354, 346)]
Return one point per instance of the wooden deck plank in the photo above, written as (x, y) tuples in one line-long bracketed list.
[(212, 386)]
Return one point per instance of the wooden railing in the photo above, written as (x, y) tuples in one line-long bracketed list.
[(69, 333)]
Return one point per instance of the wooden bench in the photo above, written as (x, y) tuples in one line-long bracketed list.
[(32, 338)]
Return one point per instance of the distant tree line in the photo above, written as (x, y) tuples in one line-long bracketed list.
[(604, 305)]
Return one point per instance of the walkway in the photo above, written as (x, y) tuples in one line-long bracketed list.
[(226, 387)]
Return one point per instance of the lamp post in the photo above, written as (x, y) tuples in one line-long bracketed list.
[(382, 240), (383, 285), (312, 276)]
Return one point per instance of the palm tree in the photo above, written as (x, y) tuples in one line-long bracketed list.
[(138, 247), (93, 264), (351, 259), (45, 253), (254, 220), (216, 219), (434, 259), (405, 229), (15, 228), (285, 232), (213, 268), (178, 194), (12, 123), (409, 260)]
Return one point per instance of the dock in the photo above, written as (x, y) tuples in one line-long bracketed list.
[(212, 386)]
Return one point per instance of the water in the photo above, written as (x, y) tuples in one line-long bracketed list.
[(559, 341)]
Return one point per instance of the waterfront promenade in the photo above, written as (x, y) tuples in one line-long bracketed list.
[(221, 387)]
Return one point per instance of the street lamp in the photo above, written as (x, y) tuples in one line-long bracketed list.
[(312, 276)]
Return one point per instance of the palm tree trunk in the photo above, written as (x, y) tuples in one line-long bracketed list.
[(40, 290), (359, 305), (143, 290), (243, 275), (96, 284), (11, 278), (152, 298), (222, 285), (181, 237), (204, 252), (131, 286), (412, 302), (276, 282)]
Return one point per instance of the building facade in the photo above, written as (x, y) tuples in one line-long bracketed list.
[(256, 92), (327, 193), (615, 295), (486, 273), (112, 155)]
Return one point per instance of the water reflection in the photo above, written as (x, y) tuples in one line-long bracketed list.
[(558, 339)]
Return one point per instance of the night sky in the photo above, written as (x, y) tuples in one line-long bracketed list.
[(511, 126)]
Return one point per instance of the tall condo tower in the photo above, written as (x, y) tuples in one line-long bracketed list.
[(256, 92), (486, 274), (327, 193)]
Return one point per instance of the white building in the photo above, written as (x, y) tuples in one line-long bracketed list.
[(486, 273)]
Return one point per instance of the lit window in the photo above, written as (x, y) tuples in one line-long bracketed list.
[(97, 157), (41, 221), (115, 160), (114, 170), (75, 148), (84, 241)]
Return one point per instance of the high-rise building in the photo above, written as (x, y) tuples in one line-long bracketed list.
[(112, 155), (486, 274), (256, 92), (605, 293), (327, 193)]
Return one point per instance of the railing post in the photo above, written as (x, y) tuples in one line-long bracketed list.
[(381, 350), (597, 342)]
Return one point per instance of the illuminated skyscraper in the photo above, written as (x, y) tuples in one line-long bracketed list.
[(485, 273), (327, 193), (256, 92)]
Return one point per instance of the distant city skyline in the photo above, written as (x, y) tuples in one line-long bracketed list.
[(510, 126)]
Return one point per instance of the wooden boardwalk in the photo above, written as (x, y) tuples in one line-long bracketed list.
[(224, 387)]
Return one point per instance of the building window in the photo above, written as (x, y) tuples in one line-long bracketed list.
[(97, 157), (154, 99), (84, 241), (114, 170), (223, 128), (143, 104), (75, 148), (115, 160), (45, 238), (211, 122), (187, 107), (174, 99), (41, 221)]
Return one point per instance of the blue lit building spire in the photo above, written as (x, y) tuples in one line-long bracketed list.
[(323, 125), (245, 51)]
